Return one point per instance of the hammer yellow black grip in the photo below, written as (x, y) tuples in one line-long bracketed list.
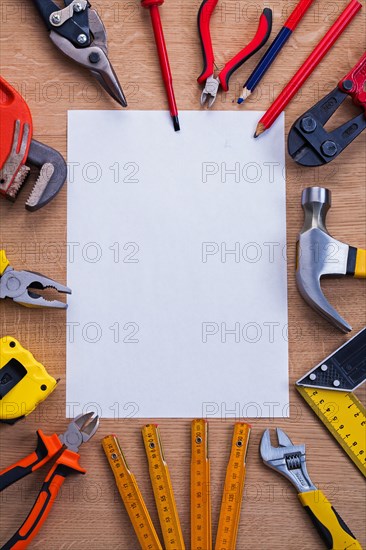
[(329, 524), (360, 267)]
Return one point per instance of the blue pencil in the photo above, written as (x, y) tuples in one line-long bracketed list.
[(274, 49)]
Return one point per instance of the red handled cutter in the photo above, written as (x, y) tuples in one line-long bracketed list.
[(207, 76), (66, 446)]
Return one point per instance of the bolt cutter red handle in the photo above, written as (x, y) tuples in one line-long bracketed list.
[(260, 38), (354, 83)]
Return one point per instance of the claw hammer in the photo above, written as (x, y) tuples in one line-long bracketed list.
[(319, 254)]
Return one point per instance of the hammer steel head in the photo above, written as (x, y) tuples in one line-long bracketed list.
[(319, 255)]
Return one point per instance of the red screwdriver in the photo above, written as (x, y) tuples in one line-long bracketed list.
[(153, 6)]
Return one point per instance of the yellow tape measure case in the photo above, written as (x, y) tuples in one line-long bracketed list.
[(24, 382)]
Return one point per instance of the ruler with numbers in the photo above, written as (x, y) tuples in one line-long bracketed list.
[(201, 530), (328, 390), (233, 489), (131, 496), (162, 488)]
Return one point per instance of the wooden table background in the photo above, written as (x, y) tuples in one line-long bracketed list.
[(89, 514)]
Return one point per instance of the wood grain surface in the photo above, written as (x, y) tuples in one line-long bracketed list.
[(89, 513)]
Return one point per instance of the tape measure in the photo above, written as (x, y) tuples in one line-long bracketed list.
[(233, 489), (24, 382), (328, 390), (131, 495), (201, 530), (162, 488)]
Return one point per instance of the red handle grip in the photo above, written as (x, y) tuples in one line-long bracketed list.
[(47, 447), (203, 19), (354, 83), (67, 463), (261, 37)]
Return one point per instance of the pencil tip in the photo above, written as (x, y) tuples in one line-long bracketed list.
[(240, 100), (259, 130), (175, 120)]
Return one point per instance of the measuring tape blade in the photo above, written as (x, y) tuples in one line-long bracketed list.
[(233, 489), (131, 495), (163, 490), (344, 416), (201, 531)]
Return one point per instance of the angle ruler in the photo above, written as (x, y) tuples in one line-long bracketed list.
[(233, 489), (201, 531), (328, 390), (163, 490), (130, 494)]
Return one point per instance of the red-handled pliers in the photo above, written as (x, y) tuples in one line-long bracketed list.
[(66, 445), (212, 83)]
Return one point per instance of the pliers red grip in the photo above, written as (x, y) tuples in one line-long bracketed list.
[(212, 83)]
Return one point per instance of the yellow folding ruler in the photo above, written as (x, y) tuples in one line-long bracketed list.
[(328, 390), (163, 490), (201, 531), (233, 489), (131, 496)]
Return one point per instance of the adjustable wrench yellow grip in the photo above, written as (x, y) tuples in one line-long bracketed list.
[(4, 262), (360, 267), (329, 524)]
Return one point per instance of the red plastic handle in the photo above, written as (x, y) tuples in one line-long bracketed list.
[(261, 37), (203, 19), (354, 83), (67, 463), (47, 447)]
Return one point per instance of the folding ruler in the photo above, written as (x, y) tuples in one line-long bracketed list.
[(163, 490), (233, 489), (328, 390), (201, 531), (131, 495)]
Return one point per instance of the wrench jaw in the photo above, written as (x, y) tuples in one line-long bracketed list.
[(287, 459)]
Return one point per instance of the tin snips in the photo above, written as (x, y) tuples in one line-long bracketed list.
[(79, 33), (18, 149)]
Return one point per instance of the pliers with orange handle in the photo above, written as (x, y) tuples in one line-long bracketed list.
[(207, 76), (66, 446)]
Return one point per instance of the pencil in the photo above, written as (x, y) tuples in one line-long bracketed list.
[(308, 67), (275, 48)]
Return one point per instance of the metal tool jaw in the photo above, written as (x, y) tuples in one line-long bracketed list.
[(20, 286), (210, 90), (79, 431), (288, 459), (309, 142), (319, 254), (79, 33)]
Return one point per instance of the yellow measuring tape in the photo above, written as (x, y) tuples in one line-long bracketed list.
[(163, 490), (131, 496), (201, 530), (344, 416), (233, 489)]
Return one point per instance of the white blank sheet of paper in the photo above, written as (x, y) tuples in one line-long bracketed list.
[(177, 264)]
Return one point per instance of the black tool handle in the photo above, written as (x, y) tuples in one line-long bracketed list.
[(72, 28)]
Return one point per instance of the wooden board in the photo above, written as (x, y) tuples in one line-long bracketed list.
[(89, 514)]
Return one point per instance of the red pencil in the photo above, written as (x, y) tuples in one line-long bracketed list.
[(153, 6), (308, 67)]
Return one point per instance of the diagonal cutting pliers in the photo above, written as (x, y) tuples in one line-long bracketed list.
[(289, 460), (78, 31), (20, 286), (66, 446), (207, 76)]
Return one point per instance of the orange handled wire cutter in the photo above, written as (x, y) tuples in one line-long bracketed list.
[(66, 446)]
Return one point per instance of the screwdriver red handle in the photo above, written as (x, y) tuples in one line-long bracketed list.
[(47, 447), (67, 463), (203, 20)]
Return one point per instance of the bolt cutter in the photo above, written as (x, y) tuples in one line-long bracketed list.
[(66, 446)]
